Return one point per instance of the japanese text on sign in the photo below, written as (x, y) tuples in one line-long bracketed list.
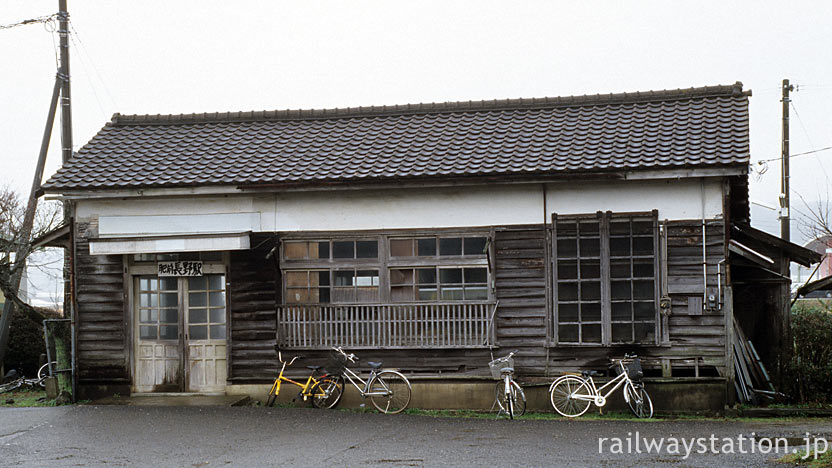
[(180, 268)]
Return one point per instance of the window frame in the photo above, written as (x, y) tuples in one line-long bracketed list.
[(385, 262), (604, 219)]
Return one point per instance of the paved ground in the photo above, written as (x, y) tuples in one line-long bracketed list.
[(93, 436)]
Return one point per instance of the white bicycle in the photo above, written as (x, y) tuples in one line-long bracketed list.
[(510, 397), (388, 389), (571, 395)]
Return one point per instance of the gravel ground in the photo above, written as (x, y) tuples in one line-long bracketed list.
[(93, 436)]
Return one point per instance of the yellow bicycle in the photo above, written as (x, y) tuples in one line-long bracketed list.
[(325, 390)]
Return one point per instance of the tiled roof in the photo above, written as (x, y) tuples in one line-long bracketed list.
[(685, 128)]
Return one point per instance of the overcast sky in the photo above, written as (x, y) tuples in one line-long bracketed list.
[(204, 56)]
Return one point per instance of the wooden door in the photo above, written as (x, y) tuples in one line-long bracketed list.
[(205, 333), (158, 335)]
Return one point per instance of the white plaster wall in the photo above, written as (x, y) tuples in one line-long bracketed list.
[(675, 199), (406, 208)]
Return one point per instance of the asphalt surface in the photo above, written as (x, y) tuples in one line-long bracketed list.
[(99, 436)]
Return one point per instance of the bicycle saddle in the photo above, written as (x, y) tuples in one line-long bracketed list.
[(507, 370), (589, 373), (313, 368), (374, 365)]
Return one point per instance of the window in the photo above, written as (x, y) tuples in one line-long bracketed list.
[(605, 268), (439, 268)]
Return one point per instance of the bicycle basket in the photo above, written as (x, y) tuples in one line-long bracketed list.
[(634, 370), (499, 364), (336, 363)]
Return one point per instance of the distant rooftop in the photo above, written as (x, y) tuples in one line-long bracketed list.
[(553, 136)]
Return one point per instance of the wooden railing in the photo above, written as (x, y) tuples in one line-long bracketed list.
[(437, 325)]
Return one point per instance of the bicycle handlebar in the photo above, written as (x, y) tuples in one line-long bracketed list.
[(280, 358), (352, 357)]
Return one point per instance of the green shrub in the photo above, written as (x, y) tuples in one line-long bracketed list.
[(811, 366), (25, 343)]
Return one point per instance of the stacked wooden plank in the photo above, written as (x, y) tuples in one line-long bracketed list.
[(751, 378)]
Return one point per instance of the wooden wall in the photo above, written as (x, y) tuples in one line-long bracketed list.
[(102, 344)]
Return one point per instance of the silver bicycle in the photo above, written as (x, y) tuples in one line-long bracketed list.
[(388, 389), (571, 395), (510, 397)]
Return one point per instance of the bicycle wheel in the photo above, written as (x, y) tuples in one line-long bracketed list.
[(563, 392), (328, 392), (13, 385), (640, 403), (390, 392), (43, 372), (516, 404)]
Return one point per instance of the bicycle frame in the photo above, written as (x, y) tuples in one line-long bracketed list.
[(365, 392), (310, 382), (600, 399)]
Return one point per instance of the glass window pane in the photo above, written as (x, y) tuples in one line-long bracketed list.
[(216, 299), (197, 283), (426, 247), (401, 247), (169, 316), (621, 311), (567, 269), (323, 277), (426, 293), (590, 269), (343, 249), (450, 246), (344, 278), (590, 291), (622, 332), (154, 283), (147, 332), (591, 333), (567, 248), (295, 250), (590, 312), (323, 250), (401, 276), (217, 315), (198, 316), (169, 332), (590, 247), (217, 332), (427, 275), (643, 289), (589, 228), (567, 228), (644, 310), (478, 293), (169, 300), (450, 275), (642, 246), (476, 275), (216, 282), (366, 249), (620, 227), (642, 269), (620, 268), (199, 299), (198, 332), (144, 300), (567, 292), (568, 333), (620, 246), (452, 293), (366, 278), (620, 290), (567, 312), (168, 284), (475, 245), (645, 332), (323, 295), (643, 228), (144, 316)]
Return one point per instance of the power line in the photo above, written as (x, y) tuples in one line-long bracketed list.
[(39, 19), (796, 154)]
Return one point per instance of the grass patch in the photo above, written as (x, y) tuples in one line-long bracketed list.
[(24, 398), (824, 460)]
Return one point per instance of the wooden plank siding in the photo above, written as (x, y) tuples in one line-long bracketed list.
[(102, 344), (253, 295)]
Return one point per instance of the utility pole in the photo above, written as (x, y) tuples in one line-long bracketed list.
[(785, 232), (63, 73)]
